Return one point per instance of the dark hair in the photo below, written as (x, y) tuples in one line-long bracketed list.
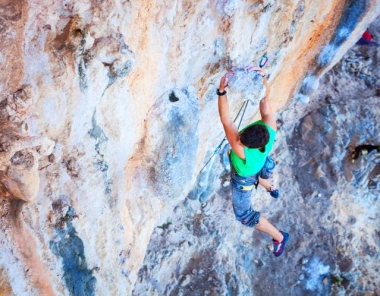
[(254, 136)]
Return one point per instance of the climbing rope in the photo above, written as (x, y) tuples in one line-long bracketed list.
[(217, 149), (263, 61), (241, 118)]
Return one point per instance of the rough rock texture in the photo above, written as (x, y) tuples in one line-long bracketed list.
[(126, 90), (329, 203)]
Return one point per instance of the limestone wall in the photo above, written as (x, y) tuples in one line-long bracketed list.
[(126, 91)]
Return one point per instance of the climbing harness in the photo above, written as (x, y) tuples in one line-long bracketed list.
[(262, 63)]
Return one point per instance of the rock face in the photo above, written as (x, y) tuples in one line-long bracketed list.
[(328, 175), (108, 113)]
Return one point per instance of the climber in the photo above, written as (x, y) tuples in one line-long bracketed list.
[(250, 149)]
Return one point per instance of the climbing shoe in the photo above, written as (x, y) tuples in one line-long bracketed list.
[(278, 247), (274, 192)]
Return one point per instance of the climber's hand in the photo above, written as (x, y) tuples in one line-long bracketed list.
[(224, 80), (251, 68)]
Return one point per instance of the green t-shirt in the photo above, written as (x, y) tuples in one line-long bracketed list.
[(254, 158)]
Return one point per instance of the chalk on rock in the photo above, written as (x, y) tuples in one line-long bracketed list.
[(226, 183), (227, 7), (309, 85), (219, 47), (303, 99), (185, 280), (246, 82)]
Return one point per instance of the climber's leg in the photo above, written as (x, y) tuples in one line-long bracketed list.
[(241, 199), (265, 226), (265, 183), (271, 189)]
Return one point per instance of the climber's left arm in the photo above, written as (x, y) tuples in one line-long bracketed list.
[(266, 111)]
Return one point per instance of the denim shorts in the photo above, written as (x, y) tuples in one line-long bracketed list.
[(241, 198)]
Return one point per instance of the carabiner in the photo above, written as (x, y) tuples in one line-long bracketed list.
[(263, 60)]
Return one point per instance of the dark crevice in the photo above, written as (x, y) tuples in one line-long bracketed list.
[(69, 247), (173, 98)]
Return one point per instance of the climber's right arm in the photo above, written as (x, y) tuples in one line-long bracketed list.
[(232, 132), (265, 108)]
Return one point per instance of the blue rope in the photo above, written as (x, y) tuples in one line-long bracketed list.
[(217, 149)]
